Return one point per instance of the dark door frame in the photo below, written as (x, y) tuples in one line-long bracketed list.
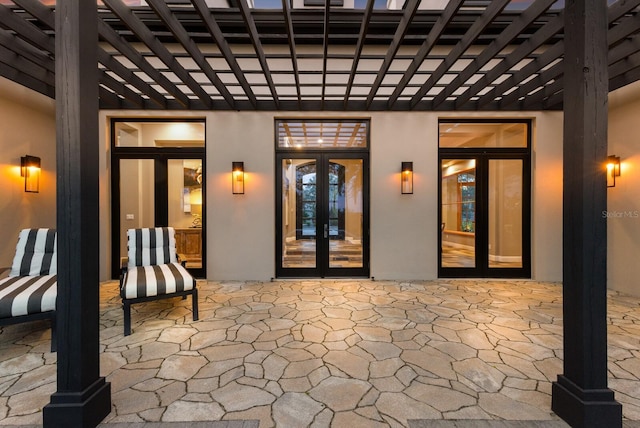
[(482, 157), (160, 156), (322, 269)]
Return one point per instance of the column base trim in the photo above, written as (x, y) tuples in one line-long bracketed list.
[(85, 408), (588, 408)]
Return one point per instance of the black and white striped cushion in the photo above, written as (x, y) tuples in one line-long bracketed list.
[(26, 295), (157, 280), (35, 253), (152, 246)]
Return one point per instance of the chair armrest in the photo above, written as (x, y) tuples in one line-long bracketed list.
[(124, 264), (182, 259)]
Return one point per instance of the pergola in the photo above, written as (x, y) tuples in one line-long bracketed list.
[(496, 55), (186, 55)]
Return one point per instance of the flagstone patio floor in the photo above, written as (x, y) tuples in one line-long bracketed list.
[(325, 353)]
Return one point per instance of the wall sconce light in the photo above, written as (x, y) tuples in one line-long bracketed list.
[(30, 170), (237, 178), (613, 170), (406, 184)]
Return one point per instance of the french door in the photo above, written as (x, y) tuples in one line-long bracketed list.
[(485, 214), (322, 215), (157, 179), (157, 190)]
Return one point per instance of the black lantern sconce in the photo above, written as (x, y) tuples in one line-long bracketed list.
[(30, 170), (613, 170), (406, 179), (237, 178)]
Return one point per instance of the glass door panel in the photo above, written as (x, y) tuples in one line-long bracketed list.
[(505, 213), (299, 213), (345, 213), (483, 218), (185, 202), (137, 197), (458, 215), (160, 191), (322, 216)]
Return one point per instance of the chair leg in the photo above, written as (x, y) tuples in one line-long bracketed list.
[(194, 303), (54, 334), (126, 307)]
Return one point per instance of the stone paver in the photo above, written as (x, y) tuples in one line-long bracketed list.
[(322, 353), (340, 394)]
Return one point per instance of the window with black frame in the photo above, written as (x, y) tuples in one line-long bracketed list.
[(484, 194)]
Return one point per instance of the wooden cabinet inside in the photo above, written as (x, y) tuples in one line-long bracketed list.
[(189, 246)]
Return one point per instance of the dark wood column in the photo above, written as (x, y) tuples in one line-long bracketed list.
[(83, 398), (581, 396)]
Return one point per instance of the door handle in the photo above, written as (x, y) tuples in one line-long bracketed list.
[(326, 231)]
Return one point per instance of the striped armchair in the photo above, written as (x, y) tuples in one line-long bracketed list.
[(29, 292), (153, 271)]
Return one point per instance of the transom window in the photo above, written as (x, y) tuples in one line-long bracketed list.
[(322, 134)]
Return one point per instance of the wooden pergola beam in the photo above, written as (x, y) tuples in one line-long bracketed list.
[(550, 94), (29, 68), (512, 31), (177, 29), (521, 52), (26, 51), (258, 48), (631, 75), (434, 35), (131, 78), (158, 48), (362, 34), (410, 9), (534, 33), (16, 75), (494, 8), (122, 89), (27, 30), (129, 52), (47, 16), (286, 12), (325, 49), (225, 49)]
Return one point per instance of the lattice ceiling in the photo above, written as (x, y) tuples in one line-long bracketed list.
[(345, 55)]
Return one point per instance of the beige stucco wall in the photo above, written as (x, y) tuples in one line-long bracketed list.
[(623, 210), (546, 197), (403, 229), (27, 126), (241, 228)]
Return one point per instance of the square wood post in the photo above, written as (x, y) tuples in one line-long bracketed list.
[(83, 398), (580, 396)]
